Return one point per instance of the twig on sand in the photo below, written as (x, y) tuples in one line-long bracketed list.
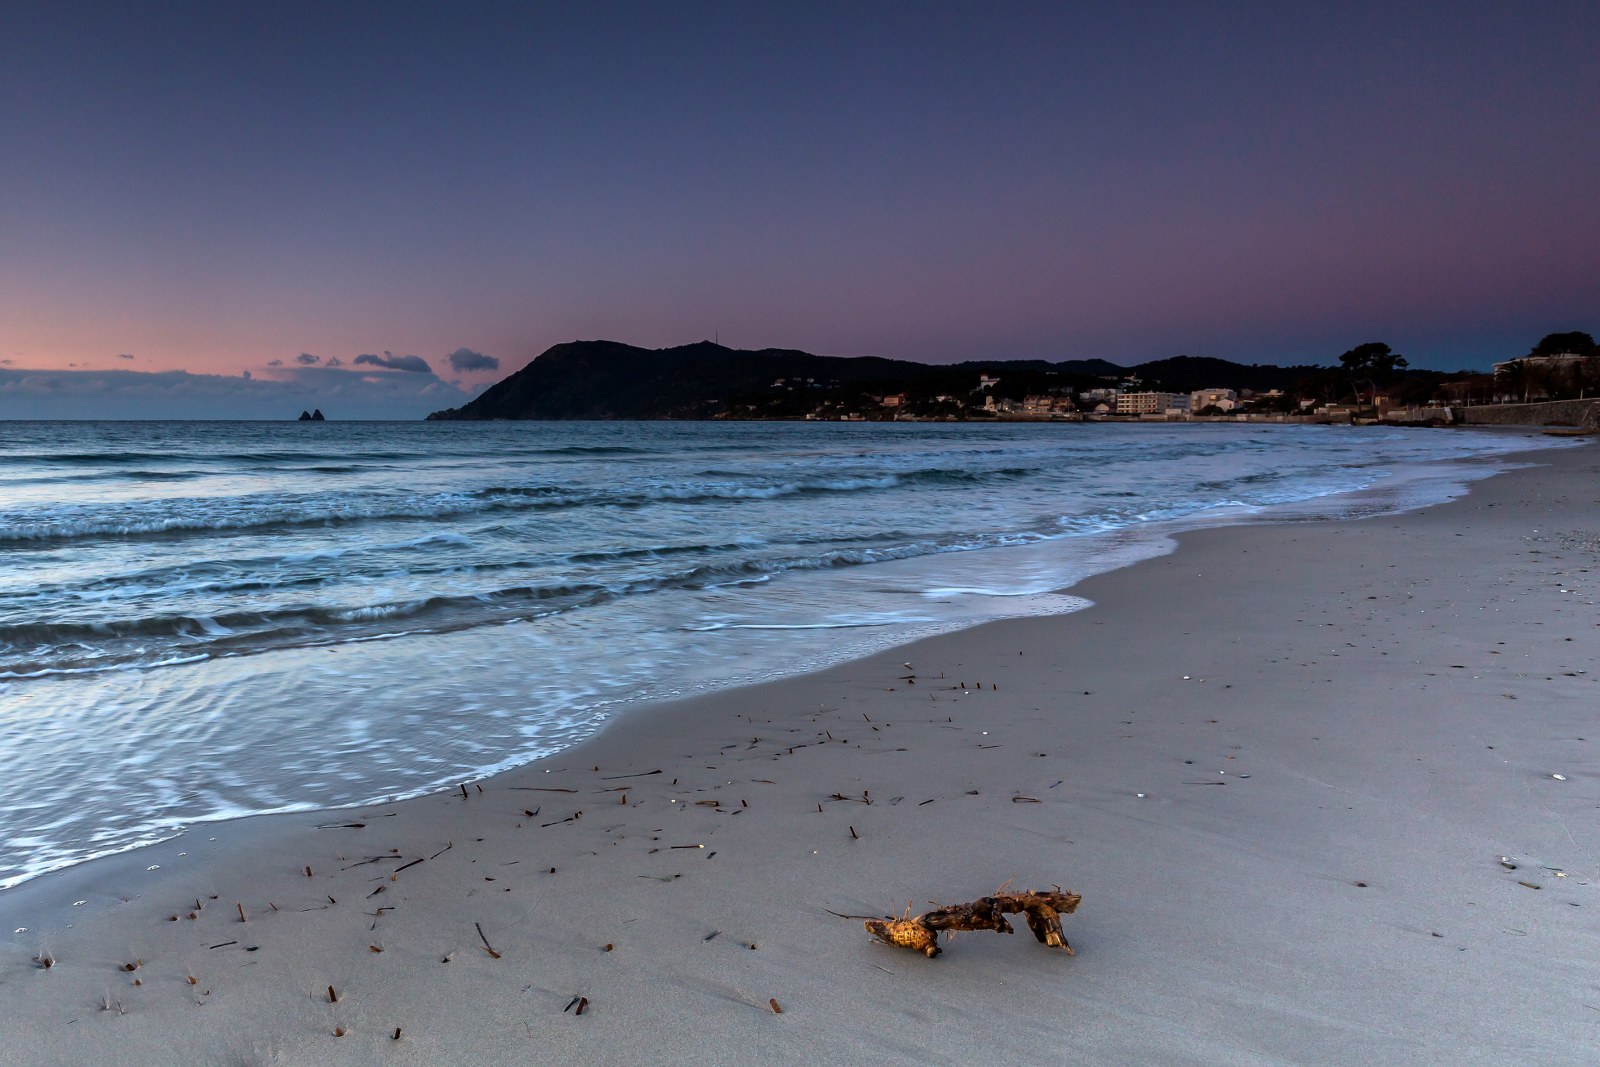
[(492, 953)]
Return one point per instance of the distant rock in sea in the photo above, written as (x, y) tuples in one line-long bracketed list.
[(312, 416)]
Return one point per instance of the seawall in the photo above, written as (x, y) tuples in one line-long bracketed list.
[(1581, 413)]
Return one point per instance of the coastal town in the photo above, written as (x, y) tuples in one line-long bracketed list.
[(1370, 383), (1373, 385), (1127, 400), (1131, 401)]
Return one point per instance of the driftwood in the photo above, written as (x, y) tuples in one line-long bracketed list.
[(921, 934)]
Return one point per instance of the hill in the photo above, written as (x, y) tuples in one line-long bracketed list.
[(609, 380)]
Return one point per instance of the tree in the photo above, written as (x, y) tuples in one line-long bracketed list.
[(1372, 363), (1372, 360), (1574, 342), (1513, 378)]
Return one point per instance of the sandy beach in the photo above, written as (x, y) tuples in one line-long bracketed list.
[(1328, 791)]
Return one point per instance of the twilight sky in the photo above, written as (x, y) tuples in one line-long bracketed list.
[(335, 199)]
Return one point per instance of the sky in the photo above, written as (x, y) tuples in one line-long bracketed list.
[(380, 209)]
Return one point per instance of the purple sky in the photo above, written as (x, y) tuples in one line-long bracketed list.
[(220, 189)]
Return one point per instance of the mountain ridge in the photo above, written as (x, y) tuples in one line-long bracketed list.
[(607, 380)]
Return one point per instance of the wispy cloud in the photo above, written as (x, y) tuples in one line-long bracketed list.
[(124, 355), (409, 364), (306, 359), (465, 359)]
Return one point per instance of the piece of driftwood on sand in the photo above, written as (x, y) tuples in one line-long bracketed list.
[(921, 934)]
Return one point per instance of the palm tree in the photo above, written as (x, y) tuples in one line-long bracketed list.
[(1513, 378)]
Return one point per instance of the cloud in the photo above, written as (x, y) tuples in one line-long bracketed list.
[(275, 363), (245, 376), (124, 355), (465, 359), (132, 394), (306, 359), (333, 361), (409, 364)]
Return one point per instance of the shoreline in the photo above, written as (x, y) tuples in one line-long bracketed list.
[(1405, 489), (1220, 923)]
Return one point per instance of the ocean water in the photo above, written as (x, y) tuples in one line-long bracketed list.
[(206, 620)]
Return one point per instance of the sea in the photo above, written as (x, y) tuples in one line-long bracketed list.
[(200, 621)]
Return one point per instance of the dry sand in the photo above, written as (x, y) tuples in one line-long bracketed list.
[(1282, 766)]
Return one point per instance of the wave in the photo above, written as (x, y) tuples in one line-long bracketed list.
[(616, 555), (108, 476), (128, 458), (590, 450), (268, 576), (32, 650), (206, 516), (37, 649)]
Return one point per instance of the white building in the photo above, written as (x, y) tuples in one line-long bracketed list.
[(1536, 377), (1046, 405), (1559, 361), (1144, 403), (1223, 399)]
